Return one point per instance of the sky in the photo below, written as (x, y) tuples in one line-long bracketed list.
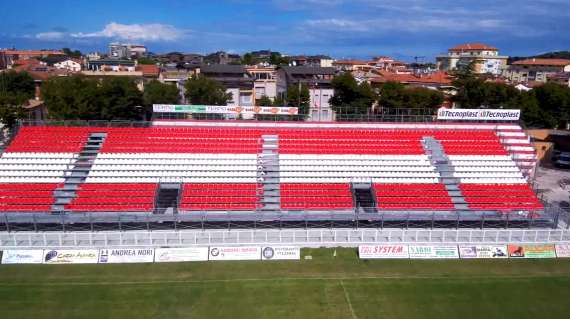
[(404, 29)]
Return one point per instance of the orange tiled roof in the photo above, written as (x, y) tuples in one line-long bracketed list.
[(550, 62), (441, 78), (26, 62), (351, 62), (473, 47), (32, 52), (148, 69)]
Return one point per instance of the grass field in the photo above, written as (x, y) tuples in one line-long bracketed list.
[(324, 287)]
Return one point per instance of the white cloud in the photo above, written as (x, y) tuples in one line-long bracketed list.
[(50, 36), (131, 32)]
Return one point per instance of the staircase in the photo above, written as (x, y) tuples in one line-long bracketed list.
[(440, 161), (268, 173), (364, 197), (77, 175), (167, 198)]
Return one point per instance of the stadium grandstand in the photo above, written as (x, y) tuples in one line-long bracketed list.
[(218, 174)]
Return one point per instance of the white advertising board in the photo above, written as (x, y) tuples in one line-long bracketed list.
[(235, 253), (383, 251), (224, 109), (165, 255), (280, 253), (478, 114), (21, 256), (563, 250), (126, 255), (483, 251), (71, 256), (433, 252)]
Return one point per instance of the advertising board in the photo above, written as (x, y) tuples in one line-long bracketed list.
[(483, 251), (20, 256), (224, 109), (478, 114), (383, 251), (235, 253), (433, 252), (71, 256), (126, 255), (280, 253), (532, 251), (563, 250), (165, 255)]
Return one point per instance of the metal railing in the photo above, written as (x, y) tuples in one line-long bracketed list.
[(297, 237)]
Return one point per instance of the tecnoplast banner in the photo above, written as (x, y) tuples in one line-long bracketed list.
[(478, 114), (223, 109), (563, 250), (532, 251), (125, 255), (34, 256), (71, 256), (383, 252), (280, 253), (433, 252), (165, 255), (483, 251), (235, 253)]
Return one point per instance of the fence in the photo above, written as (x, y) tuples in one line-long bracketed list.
[(297, 237)]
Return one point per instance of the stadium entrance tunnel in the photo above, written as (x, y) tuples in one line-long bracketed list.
[(167, 199)]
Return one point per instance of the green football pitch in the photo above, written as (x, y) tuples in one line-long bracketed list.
[(327, 286)]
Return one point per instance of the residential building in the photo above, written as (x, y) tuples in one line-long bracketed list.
[(562, 78), (322, 61), (436, 81), (538, 70), (93, 56), (176, 77), (486, 59), (7, 57), (352, 65), (72, 65), (222, 57), (110, 65), (389, 64), (317, 79), (265, 81), (235, 79), (126, 51)]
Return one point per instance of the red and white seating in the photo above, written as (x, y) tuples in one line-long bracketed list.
[(316, 196), (221, 197), (412, 197), (26, 197), (114, 197)]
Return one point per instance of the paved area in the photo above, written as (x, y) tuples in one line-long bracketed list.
[(548, 183)]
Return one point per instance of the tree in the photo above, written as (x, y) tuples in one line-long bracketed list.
[(394, 95), (205, 91), (277, 59), (120, 99), (70, 53), (351, 97), (78, 97), (16, 88), (159, 93), (71, 98), (145, 60), (248, 59), (554, 100), (299, 98), (264, 101)]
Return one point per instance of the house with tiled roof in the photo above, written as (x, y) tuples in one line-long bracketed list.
[(485, 58), (535, 70)]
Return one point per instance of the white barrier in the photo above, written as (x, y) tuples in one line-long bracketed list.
[(20, 256), (563, 251), (164, 255)]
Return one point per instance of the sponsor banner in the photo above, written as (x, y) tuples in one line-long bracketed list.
[(383, 251), (125, 255), (433, 252), (223, 109), (21, 256), (280, 253), (483, 251), (165, 255), (532, 251), (563, 250), (71, 256), (478, 114), (235, 253)]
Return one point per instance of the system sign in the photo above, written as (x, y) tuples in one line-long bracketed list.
[(478, 114), (383, 251)]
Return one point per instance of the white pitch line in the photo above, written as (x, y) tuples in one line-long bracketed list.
[(348, 300)]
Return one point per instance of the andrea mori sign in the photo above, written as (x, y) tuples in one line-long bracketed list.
[(478, 114)]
